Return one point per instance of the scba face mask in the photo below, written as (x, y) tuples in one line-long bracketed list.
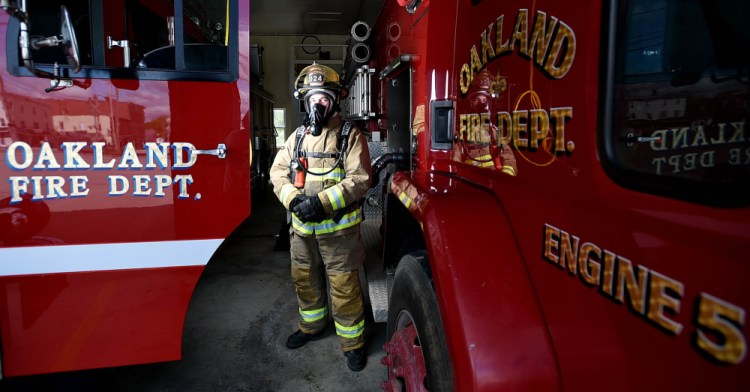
[(319, 116)]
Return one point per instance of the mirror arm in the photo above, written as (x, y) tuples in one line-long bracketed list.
[(24, 44), (38, 43)]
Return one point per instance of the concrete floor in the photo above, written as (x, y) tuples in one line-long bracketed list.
[(241, 313)]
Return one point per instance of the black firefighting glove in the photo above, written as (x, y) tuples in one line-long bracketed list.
[(310, 210), (297, 199)]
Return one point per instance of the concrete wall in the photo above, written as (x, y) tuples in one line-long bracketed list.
[(279, 58)]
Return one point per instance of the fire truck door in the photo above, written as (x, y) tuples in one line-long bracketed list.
[(131, 175)]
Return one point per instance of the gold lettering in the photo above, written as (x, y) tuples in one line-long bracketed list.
[(485, 121), (476, 127), (466, 78), (476, 62), (520, 33), (560, 116), (608, 276), (723, 321), (588, 262), (635, 286), (659, 300), (541, 36), (501, 46), (564, 39), (504, 128), (520, 118), (487, 51), (462, 120), (551, 235), (539, 127), (568, 251)]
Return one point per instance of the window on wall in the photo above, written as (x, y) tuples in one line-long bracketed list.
[(279, 124)]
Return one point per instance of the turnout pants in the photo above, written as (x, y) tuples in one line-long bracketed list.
[(339, 258)]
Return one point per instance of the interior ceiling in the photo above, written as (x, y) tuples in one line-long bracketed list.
[(310, 17)]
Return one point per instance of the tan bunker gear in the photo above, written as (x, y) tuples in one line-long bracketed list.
[(334, 244)]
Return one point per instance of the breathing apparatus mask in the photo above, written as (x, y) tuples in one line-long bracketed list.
[(318, 114)]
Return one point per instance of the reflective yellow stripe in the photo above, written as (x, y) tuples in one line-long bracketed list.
[(336, 197), (481, 161), (509, 170), (336, 175), (405, 200), (313, 315), (350, 332), (286, 191), (328, 225)]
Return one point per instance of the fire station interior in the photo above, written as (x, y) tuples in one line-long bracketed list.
[(287, 36)]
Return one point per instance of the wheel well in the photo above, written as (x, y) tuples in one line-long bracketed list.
[(402, 233)]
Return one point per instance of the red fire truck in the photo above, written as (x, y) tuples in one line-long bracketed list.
[(615, 259), (612, 259), (124, 134)]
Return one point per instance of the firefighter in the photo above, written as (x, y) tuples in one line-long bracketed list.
[(484, 94), (320, 176)]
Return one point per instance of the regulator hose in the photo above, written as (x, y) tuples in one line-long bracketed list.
[(382, 162)]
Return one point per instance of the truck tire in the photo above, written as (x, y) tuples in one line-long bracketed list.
[(417, 353)]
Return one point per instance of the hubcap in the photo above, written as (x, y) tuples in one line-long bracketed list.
[(405, 360)]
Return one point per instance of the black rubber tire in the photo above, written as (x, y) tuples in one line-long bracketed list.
[(413, 292)]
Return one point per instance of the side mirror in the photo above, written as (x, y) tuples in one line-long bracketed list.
[(69, 41), (66, 39)]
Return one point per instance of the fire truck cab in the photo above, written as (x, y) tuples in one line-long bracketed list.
[(125, 143), (612, 256)]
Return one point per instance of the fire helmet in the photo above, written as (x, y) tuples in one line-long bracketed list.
[(485, 90), (318, 79)]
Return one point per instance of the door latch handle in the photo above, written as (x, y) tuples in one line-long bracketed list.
[(124, 44), (220, 151)]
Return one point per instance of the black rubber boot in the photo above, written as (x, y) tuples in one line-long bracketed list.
[(299, 339), (356, 359)]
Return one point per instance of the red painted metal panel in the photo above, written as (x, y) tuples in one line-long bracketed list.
[(629, 284), (496, 334), (95, 317), (62, 322)]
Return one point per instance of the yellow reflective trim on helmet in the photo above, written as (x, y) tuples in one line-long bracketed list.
[(350, 332), (313, 315)]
